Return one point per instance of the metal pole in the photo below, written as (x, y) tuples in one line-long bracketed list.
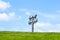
[(32, 27)]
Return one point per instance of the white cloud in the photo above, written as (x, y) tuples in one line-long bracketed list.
[(10, 16), (58, 25), (4, 5), (3, 16), (47, 27), (28, 13), (38, 24)]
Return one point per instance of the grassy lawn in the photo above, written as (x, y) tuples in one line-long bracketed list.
[(29, 36)]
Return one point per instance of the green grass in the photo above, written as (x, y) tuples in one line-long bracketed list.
[(29, 36)]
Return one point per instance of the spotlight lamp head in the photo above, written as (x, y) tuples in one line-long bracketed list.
[(29, 22), (35, 20), (35, 15), (30, 17)]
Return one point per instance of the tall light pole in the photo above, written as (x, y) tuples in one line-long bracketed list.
[(32, 20)]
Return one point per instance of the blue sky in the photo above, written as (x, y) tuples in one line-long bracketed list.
[(14, 15)]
